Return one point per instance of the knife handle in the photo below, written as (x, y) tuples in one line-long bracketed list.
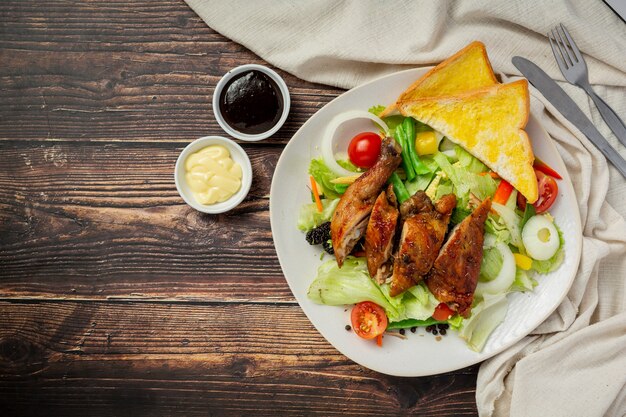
[(610, 117), (607, 150)]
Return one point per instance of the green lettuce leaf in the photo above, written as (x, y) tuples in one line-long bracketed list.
[(512, 221), (465, 181), (523, 281), (486, 316), (419, 303), (420, 182), (496, 226), (490, 265), (349, 284), (377, 110), (391, 121), (408, 323), (310, 218), (468, 161), (352, 284), (323, 176)]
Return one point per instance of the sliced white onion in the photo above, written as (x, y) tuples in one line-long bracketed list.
[(540, 238), (328, 153), (505, 277), (439, 136), (450, 153)]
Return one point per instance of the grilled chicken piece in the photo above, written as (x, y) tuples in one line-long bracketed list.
[(423, 231), (379, 235), (455, 273), (352, 213)]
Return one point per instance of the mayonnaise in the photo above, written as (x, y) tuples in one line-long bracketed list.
[(212, 175)]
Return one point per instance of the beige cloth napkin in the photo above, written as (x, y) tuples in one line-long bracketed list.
[(574, 364)]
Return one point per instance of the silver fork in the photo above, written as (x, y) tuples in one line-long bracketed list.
[(574, 70)]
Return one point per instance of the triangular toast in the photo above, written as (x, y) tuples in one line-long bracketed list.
[(489, 123), (466, 70)]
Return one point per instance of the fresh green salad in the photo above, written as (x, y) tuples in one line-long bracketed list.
[(521, 240)]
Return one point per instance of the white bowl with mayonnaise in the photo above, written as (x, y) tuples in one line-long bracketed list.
[(213, 174)]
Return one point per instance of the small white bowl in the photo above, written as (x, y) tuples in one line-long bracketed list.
[(236, 153), (218, 92)]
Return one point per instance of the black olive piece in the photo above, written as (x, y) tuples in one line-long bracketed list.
[(413, 329), (348, 327), (402, 331), (443, 332), (435, 332)]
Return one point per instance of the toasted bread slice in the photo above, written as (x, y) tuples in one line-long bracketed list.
[(466, 70), (489, 124)]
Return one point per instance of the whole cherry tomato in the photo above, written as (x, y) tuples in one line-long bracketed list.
[(364, 149)]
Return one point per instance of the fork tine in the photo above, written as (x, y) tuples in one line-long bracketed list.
[(563, 47), (557, 54), (566, 59), (572, 43), (567, 46)]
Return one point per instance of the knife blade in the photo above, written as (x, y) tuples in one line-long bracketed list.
[(568, 108)]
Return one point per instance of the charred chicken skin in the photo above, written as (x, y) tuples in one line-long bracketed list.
[(454, 275), (424, 229), (351, 216), (380, 233)]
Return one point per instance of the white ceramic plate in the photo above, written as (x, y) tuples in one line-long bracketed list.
[(420, 354)]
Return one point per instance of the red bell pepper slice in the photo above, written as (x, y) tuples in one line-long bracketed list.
[(503, 192), (539, 165)]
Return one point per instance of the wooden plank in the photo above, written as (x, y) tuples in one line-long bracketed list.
[(105, 220), (222, 359), (94, 71)]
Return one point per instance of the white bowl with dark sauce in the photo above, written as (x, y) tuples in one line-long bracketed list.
[(251, 102)]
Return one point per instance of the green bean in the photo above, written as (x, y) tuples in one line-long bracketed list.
[(406, 161), (408, 125), (398, 187)]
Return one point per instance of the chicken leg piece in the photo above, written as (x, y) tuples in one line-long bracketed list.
[(353, 210)]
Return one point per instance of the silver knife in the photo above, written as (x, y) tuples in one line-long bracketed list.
[(568, 108)]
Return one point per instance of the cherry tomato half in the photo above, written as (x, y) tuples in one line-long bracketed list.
[(368, 320), (364, 149), (443, 312), (548, 190)]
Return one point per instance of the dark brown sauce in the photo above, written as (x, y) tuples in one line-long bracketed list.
[(251, 102)]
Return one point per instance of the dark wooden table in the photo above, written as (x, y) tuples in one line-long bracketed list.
[(116, 298)]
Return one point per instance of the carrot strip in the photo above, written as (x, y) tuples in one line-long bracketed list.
[(492, 174), (320, 208), (379, 340)]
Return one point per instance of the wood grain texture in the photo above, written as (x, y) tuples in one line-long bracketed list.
[(181, 359), (105, 220), (93, 70), (115, 297)]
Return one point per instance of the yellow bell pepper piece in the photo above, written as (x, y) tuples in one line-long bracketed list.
[(523, 261), (426, 143), (345, 180)]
